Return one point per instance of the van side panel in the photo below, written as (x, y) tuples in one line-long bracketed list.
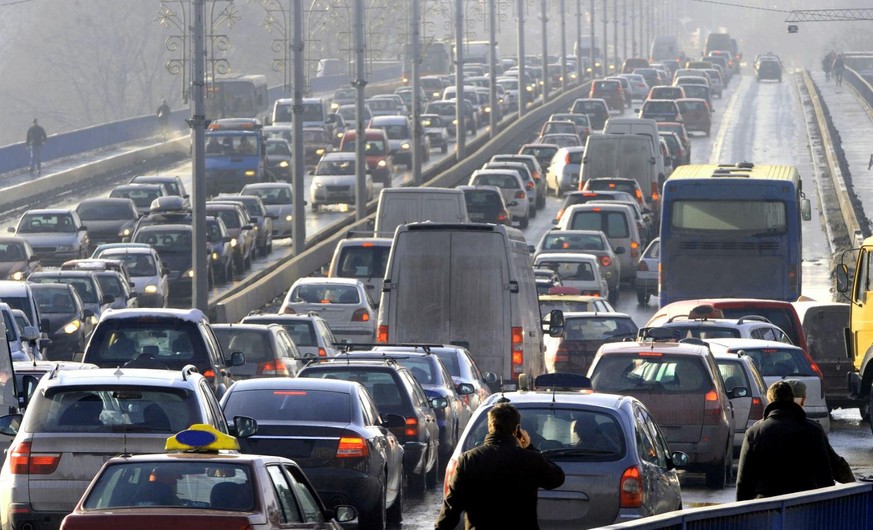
[(526, 310), (394, 211), (420, 300)]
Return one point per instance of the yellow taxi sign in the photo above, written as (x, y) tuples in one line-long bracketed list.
[(201, 437)]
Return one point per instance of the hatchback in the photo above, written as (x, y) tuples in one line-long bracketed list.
[(589, 242), (173, 183), (584, 334), (575, 269), (679, 130), (173, 242), (343, 303), (581, 121), (55, 235), (616, 222), (240, 228), (268, 350), (627, 185), (666, 92), (278, 199), (107, 218), (334, 432), (511, 186), (258, 216), (582, 197), (563, 172), (150, 282), (696, 115), (660, 110), (376, 153), (17, 260), (616, 461), (64, 318), (700, 92), (334, 182), (596, 109), (681, 385), (309, 332), (777, 361), (646, 276), (86, 284), (534, 188), (485, 204), (141, 194), (611, 92), (542, 152)]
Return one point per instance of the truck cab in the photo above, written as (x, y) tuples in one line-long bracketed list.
[(235, 155), (857, 287)]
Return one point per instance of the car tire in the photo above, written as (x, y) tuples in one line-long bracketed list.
[(432, 477), (718, 475), (444, 148), (394, 514), (613, 296), (315, 207), (532, 211), (524, 221), (247, 264), (375, 520), (415, 482), (643, 297)]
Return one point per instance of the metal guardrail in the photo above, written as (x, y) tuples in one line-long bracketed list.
[(841, 507), (862, 88)]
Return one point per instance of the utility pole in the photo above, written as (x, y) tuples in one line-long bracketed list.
[(592, 44), (563, 46), (615, 33), (200, 281), (580, 71), (624, 49), (461, 145), (359, 83), (642, 20), (492, 66), (416, 87), (522, 68), (544, 18), (605, 51), (633, 17), (298, 229)]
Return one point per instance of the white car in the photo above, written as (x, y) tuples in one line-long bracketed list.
[(343, 302), (147, 272), (334, 181), (278, 199), (436, 131), (578, 270), (511, 187)]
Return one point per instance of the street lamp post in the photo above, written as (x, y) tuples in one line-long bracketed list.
[(544, 18), (298, 228), (522, 85), (563, 16)]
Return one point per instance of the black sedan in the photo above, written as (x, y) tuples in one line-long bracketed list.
[(333, 430), (64, 317), (108, 219)]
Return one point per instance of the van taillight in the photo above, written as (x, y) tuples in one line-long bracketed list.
[(517, 354), (567, 159), (23, 462), (631, 488), (274, 367), (322, 352), (655, 195), (756, 412), (530, 185), (635, 249), (520, 194), (605, 261), (450, 474), (411, 429), (361, 315), (382, 335), (639, 193), (711, 408)]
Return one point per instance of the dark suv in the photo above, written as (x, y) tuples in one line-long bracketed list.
[(395, 391), (163, 339)]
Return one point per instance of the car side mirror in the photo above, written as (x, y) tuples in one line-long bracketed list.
[(87, 313), (30, 333), (237, 358), (619, 250), (438, 403), (11, 229), (33, 259), (165, 271), (678, 459), (10, 424), (248, 227), (466, 389), (738, 392), (243, 427), (345, 513), (556, 323), (393, 421), (531, 249), (82, 228)]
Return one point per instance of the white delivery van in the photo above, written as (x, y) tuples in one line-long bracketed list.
[(470, 285), (644, 127), (363, 258), (627, 156), (398, 206)]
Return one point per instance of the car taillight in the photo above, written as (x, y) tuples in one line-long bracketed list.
[(209, 374), (520, 194), (605, 261), (361, 315), (382, 335), (635, 249), (322, 352), (642, 266), (567, 159), (530, 185), (639, 193), (274, 367), (815, 367), (289, 311), (517, 351), (631, 488), (756, 411), (562, 355), (711, 408), (23, 462), (411, 429), (352, 447), (450, 474), (501, 217)]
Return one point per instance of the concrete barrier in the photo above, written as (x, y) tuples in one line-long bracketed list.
[(259, 291)]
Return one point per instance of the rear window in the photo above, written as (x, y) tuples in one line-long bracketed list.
[(613, 224), (290, 405), (111, 284), (599, 328), (301, 332), (564, 434), (558, 241), (380, 384), (172, 343), (732, 374), (566, 306), (651, 371), (570, 270), (703, 332), (479, 199), (255, 344), (362, 261), (781, 362), (500, 181), (661, 107), (781, 317), (629, 187), (691, 105), (113, 409), (325, 294)]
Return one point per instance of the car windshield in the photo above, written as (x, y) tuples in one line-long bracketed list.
[(271, 196), (12, 252), (165, 240), (563, 433), (137, 264), (106, 211), (600, 328), (396, 132), (651, 372), (55, 300), (111, 284), (142, 198), (284, 406), (119, 408), (49, 222), (336, 167), (314, 136), (84, 286), (325, 294), (278, 148), (185, 483)]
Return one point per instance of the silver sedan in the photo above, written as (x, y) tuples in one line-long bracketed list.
[(278, 199)]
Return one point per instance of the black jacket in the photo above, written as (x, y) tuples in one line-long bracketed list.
[(783, 453), (496, 485), (35, 135)]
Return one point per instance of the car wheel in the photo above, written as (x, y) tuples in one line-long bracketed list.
[(415, 482), (524, 222), (643, 297), (532, 211), (613, 296), (375, 520), (248, 262), (445, 148), (718, 475), (395, 512), (433, 476)]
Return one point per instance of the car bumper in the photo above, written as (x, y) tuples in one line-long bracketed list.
[(180, 289), (324, 195), (569, 181), (402, 157), (646, 283), (36, 520), (708, 452), (350, 334), (345, 486), (63, 346)]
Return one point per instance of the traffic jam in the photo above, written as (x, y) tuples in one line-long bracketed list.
[(361, 389)]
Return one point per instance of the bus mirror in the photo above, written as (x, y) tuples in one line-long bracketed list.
[(805, 209), (842, 273)]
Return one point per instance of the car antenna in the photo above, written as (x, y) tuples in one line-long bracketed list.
[(124, 444), (503, 398)]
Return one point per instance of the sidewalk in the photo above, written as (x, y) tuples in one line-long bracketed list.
[(856, 132)]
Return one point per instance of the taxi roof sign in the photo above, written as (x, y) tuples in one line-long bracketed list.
[(201, 438)]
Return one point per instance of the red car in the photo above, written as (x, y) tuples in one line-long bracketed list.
[(611, 91), (375, 151), (696, 114)]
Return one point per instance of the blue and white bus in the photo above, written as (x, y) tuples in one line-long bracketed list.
[(732, 231)]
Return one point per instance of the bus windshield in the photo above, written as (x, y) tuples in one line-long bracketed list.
[(759, 217)]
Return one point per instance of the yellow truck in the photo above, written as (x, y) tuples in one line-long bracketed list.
[(857, 286)]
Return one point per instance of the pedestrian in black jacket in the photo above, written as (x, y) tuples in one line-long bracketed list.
[(35, 138), (496, 483), (783, 453)]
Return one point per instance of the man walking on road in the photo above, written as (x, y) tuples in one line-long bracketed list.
[(35, 138), (784, 452), (163, 114), (496, 483)]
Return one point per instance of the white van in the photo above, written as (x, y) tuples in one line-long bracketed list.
[(363, 258), (399, 206), (470, 285), (641, 126), (617, 223), (627, 156)]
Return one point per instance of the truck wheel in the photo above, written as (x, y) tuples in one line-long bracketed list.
[(524, 222), (869, 408)]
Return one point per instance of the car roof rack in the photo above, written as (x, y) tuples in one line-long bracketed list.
[(562, 382), (657, 334), (753, 318)]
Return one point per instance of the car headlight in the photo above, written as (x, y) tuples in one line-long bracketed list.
[(454, 122), (319, 151), (150, 289), (215, 256), (250, 173), (72, 326), (125, 232), (66, 248), (283, 164), (289, 217), (334, 106), (17, 276), (436, 94), (487, 109), (381, 164), (530, 89), (339, 134), (190, 273), (233, 242), (405, 146)]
